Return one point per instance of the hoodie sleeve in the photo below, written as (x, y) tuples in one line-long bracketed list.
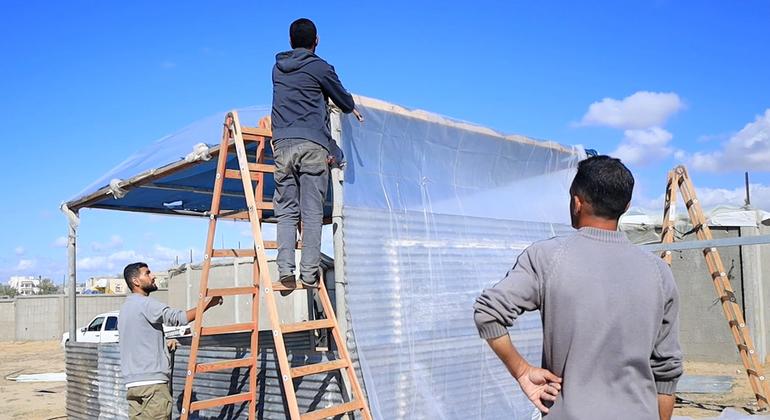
[(500, 305), (156, 312), (332, 87), (666, 359)]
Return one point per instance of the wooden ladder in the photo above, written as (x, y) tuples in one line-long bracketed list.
[(679, 179), (251, 173)]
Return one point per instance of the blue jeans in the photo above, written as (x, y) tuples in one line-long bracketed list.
[(301, 181)]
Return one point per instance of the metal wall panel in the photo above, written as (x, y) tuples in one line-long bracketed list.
[(95, 387)]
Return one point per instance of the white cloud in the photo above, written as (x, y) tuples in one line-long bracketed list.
[(19, 250), (640, 147), (94, 263), (115, 242), (26, 264), (713, 197), (641, 110), (60, 242), (747, 150)]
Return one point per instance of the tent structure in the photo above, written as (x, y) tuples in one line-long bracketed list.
[(428, 211)]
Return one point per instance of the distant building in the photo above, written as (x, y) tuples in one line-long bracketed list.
[(25, 285), (109, 285)]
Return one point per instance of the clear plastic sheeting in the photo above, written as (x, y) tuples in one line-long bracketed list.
[(435, 211)]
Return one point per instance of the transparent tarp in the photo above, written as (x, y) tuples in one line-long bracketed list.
[(434, 211)]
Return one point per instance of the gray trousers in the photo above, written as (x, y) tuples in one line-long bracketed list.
[(301, 181)]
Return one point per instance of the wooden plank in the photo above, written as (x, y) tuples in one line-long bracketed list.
[(332, 411), (218, 402), (219, 253), (306, 326), (236, 174), (318, 368), (274, 245), (232, 291), (224, 365), (279, 287), (261, 167), (256, 132), (225, 329)]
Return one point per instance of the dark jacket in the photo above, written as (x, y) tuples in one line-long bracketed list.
[(302, 85)]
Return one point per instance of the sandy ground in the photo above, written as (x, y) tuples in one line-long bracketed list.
[(47, 400), (741, 397), (42, 400)]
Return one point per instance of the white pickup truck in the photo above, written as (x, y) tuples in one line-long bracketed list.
[(104, 329)]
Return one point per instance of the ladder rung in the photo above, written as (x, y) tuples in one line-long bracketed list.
[(225, 329), (216, 253), (217, 402), (318, 368), (236, 174), (230, 291), (332, 411), (224, 365), (251, 133), (307, 326), (261, 167), (274, 245), (279, 287)]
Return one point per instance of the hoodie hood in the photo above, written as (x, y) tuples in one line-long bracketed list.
[(289, 61)]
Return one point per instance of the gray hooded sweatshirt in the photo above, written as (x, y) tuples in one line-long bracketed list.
[(610, 322), (302, 85)]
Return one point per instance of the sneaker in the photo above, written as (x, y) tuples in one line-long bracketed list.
[(288, 281)]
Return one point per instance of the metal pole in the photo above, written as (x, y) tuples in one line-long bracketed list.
[(73, 221), (748, 196)]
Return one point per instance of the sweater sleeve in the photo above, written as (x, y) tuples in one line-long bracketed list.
[(333, 88), (519, 291), (666, 359), (156, 312)]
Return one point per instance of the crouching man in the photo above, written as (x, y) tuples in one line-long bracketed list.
[(144, 358)]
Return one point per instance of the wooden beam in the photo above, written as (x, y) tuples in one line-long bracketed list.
[(218, 402), (306, 326), (318, 368), (224, 365), (231, 291), (332, 411), (226, 329)]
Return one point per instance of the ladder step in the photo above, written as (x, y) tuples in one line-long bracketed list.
[(255, 133), (318, 368), (261, 167), (274, 245), (224, 365), (332, 411), (226, 329), (279, 287), (217, 402), (236, 174), (307, 326), (231, 291), (217, 253)]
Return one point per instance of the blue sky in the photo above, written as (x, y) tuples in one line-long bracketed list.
[(84, 84)]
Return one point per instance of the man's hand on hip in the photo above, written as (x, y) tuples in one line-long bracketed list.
[(539, 385)]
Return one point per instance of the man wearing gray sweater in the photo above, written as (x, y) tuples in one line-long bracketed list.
[(144, 358), (609, 311)]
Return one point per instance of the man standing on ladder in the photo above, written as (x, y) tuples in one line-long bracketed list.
[(303, 148), (609, 311)]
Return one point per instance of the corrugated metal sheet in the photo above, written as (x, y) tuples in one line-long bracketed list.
[(95, 388), (412, 280)]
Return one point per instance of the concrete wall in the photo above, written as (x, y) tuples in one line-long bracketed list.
[(184, 284), (7, 319), (32, 318), (704, 333), (756, 269)]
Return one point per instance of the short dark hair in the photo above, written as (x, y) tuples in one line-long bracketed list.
[(132, 270), (605, 183), (302, 33)]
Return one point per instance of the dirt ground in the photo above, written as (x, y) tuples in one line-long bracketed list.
[(36, 400), (47, 400)]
